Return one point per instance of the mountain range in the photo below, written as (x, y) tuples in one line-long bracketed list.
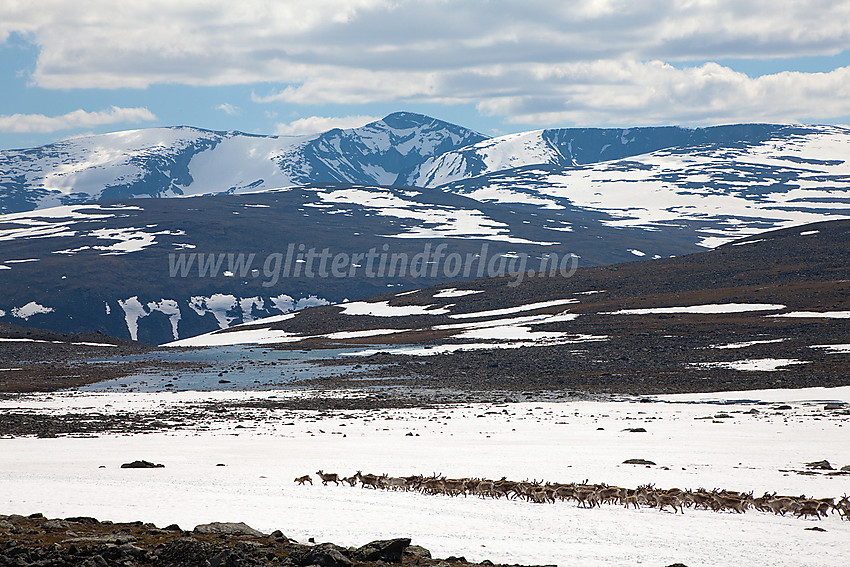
[(147, 234)]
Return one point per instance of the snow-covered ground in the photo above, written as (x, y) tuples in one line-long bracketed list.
[(552, 441)]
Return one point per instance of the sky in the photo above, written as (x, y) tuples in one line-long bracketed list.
[(73, 68)]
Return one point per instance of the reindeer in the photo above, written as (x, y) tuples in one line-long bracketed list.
[(413, 482), (537, 494), (454, 486), (328, 477), (731, 501), (781, 505), (593, 495), (394, 483), (825, 505), (701, 498), (808, 508), (370, 480), (351, 480), (586, 496), (608, 494), (762, 502), (486, 488), (504, 487), (843, 507), (629, 496), (675, 500), (432, 485)]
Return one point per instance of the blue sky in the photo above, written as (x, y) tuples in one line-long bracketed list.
[(298, 66)]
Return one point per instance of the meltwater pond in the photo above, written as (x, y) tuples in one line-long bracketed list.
[(224, 368)]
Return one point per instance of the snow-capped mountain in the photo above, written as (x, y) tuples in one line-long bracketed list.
[(183, 161), (735, 180), (161, 269), (569, 147), (80, 254)]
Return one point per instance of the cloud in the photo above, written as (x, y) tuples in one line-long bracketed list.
[(534, 60), (24, 123), (313, 124), (635, 93), (623, 93), (229, 109)]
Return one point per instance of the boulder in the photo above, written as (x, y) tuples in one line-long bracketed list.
[(638, 462), (820, 466), (142, 465), (56, 525), (228, 528), (184, 552), (126, 553), (95, 561), (323, 555), (417, 551), (83, 520), (390, 550)]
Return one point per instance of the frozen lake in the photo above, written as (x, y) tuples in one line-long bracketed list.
[(231, 367)]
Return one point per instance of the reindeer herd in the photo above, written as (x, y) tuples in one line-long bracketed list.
[(593, 495)]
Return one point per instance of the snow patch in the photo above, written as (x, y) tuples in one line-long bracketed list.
[(170, 308), (453, 292), (247, 336), (361, 334), (834, 349), (218, 304), (384, 309), (30, 309), (133, 311), (509, 310), (708, 308), (815, 314), (747, 344), (753, 365)]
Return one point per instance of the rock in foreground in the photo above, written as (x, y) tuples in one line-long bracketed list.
[(36, 540), (228, 528)]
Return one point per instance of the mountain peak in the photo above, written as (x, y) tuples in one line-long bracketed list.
[(404, 120)]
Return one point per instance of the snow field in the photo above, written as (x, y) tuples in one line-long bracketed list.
[(530, 440)]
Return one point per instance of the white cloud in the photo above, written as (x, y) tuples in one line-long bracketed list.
[(229, 109), (21, 123), (632, 93), (537, 61), (313, 124)]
